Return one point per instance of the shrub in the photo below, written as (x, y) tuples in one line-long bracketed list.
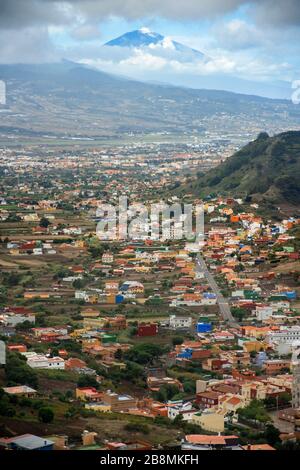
[(137, 427), (46, 414)]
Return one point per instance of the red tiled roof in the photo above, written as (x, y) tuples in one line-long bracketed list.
[(208, 440)]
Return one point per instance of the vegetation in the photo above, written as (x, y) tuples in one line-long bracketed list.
[(46, 414), (267, 169), (18, 372), (255, 411), (144, 353)]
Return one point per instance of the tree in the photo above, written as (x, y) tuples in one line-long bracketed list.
[(239, 313), (79, 283), (272, 435), (270, 402), (167, 392), (144, 353), (18, 372), (61, 273), (5, 405), (118, 354), (3, 295), (11, 279), (177, 340), (46, 414), (285, 398), (24, 326), (87, 381), (44, 222), (134, 372), (189, 386), (255, 411), (95, 251), (133, 331), (178, 419)]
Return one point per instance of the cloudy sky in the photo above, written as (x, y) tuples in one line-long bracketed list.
[(257, 40)]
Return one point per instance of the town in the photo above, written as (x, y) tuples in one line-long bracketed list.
[(140, 344)]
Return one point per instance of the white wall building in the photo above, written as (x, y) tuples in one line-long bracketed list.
[(264, 312), (40, 361), (184, 409), (177, 321), (286, 335), (13, 319)]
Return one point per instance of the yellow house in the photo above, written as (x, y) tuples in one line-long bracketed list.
[(36, 295), (141, 301), (100, 407), (231, 403), (246, 391), (79, 332), (80, 394), (142, 269), (30, 218), (80, 244), (89, 312), (90, 343), (94, 322), (89, 394), (209, 421), (256, 346), (110, 299)]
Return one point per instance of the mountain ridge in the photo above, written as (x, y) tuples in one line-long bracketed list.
[(265, 170), (143, 37), (68, 98)]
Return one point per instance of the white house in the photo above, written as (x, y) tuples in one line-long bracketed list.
[(107, 258), (81, 295), (176, 321), (13, 319), (72, 231), (263, 312), (40, 361), (287, 335), (186, 410)]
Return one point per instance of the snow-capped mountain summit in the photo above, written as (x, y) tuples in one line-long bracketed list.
[(138, 38), (145, 38)]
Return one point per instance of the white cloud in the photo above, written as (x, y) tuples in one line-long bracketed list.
[(137, 61), (144, 60), (238, 34), (85, 32), (31, 45), (249, 49)]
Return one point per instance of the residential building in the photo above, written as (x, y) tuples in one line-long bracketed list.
[(209, 420), (40, 361), (178, 322), (26, 442), (275, 366), (203, 442), (147, 329), (20, 391)]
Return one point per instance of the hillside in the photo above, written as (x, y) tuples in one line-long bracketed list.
[(266, 169), (69, 99)]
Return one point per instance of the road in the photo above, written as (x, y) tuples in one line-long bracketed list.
[(222, 302)]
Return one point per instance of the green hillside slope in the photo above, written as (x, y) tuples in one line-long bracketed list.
[(265, 169)]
